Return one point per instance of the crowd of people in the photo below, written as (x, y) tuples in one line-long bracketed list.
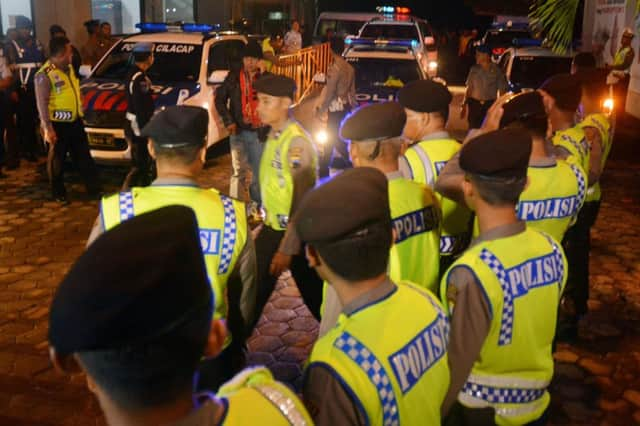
[(442, 273)]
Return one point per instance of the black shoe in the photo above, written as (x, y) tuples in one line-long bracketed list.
[(62, 199)]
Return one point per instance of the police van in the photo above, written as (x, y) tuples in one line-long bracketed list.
[(191, 60), (383, 66)]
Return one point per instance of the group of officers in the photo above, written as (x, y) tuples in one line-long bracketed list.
[(436, 269)]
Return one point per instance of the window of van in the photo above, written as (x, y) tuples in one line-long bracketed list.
[(339, 27)]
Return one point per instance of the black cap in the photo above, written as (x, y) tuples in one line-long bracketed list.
[(565, 89), (177, 126), (275, 85), (521, 107), (346, 204), (22, 22), (425, 96), (252, 50), (374, 122), (500, 154), (135, 282)]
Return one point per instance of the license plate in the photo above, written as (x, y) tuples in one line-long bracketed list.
[(96, 139)]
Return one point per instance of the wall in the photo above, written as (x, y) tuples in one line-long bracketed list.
[(70, 14)]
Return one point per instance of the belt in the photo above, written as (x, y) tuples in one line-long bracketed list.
[(483, 102)]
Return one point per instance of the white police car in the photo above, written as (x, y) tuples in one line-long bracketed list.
[(382, 67), (528, 64), (190, 61)]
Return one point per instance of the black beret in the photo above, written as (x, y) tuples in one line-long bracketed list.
[(177, 126), (425, 96), (348, 203), (498, 154), (522, 106), (252, 50), (565, 89), (275, 85), (134, 282), (376, 121)]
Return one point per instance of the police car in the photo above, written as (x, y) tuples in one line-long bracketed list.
[(397, 24), (190, 61), (529, 64), (382, 66), (501, 36)]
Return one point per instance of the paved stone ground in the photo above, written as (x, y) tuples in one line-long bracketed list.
[(597, 380)]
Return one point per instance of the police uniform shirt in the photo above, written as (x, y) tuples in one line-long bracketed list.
[(139, 97), (325, 397), (245, 268), (483, 85), (403, 164), (471, 316), (43, 93), (340, 87)]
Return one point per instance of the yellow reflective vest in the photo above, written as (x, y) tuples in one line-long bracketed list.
[(222, 222), (253, 397), (65, 101), (575, 141), (276, 181), (426, 160), (397, 375), (415, 255), (603, 124), (523, 277)]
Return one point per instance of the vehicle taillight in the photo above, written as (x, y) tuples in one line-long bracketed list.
[(498, 51)]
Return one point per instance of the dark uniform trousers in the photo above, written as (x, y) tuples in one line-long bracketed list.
[(142, 172), (8, 124), (73, 139), (477, 111), (577, 243), (27, 116), (335, 153), (307, 280)]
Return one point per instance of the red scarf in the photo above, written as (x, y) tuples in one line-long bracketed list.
[(249, 100)]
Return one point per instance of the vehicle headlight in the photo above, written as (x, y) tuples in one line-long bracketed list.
[(608, 104), (321, 137), (432, 65)]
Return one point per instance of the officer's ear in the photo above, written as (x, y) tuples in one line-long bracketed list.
[(65, 364), (152, 149), (286, 102), (215, 341), (312, 256), (203, 154), (468, 192)]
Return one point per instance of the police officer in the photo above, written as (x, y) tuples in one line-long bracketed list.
[(599, 133), (556, 190), (287, 171), (60, 107), (93, 50), (140, 107), (367, 370), (625, 54), (177, 142), (426, 104), (25, 55), (135, 314), (561, 94), (503, 294), (375, 139), (6, 80)]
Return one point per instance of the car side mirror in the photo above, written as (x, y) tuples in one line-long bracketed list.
[(85, 71), (320, 78), (429, 41), (218, 77)]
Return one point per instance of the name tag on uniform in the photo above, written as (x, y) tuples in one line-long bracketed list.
[(415, 223), (210, 241), (439, 166)]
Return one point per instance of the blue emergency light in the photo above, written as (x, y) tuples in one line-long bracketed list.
[(381, 42), (162, 27), (200, 28), (391, 9), (152, 27), (527, 42)]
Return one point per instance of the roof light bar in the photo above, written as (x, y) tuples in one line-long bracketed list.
[(527, 42), (161, 27), (354, 41)]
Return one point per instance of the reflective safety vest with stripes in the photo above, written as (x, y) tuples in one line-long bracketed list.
[(416, 216), (575, 141), (426, 160), (65, 101), (253, 397), (396, 375), (523, 277), (603, 124), (276, 182), (222, 222)]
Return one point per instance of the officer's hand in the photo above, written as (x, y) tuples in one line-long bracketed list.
[(279, 264), (50, 136), (232, 129), (463, 111)]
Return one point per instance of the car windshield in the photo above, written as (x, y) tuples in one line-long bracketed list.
[(384, 72), (532, 71), (173, 62), (505, 38), (339, 27), (387, 31)]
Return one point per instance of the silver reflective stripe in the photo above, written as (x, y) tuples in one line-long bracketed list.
[(426, 163), (519, 410), (283, 403), (508, 382)]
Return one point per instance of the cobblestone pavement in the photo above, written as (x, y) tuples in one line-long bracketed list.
[(597, 380)]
